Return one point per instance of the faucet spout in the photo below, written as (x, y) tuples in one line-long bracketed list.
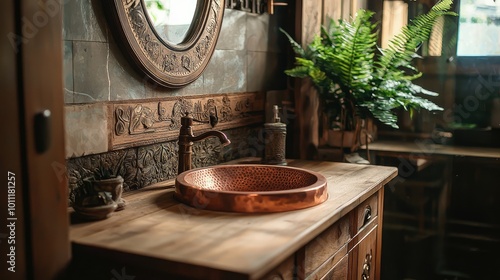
[(213, 133), (186, 139)]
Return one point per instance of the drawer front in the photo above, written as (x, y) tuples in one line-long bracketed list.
[(326, 268), (324, 251), (366, 212), (364, 256), (284, 271), (339, 271)]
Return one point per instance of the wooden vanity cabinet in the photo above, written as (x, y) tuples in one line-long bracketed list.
[(349, 249), (365, 246), (324, 252), (285, 271), (156, 237)]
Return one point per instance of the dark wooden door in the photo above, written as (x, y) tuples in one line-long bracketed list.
[(33, 208)]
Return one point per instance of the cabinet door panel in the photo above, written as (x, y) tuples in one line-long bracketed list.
[(32, 90)]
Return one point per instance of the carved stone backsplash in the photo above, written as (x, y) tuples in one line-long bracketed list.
[(139, 123), (146, 165)]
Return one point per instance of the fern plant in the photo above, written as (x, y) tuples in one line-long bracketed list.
[(354, 77)]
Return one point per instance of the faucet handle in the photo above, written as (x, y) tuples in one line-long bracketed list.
[(213, 119)]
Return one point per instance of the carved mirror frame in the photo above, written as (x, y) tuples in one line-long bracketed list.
[(167, 64)]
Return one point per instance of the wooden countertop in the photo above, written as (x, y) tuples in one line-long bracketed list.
[(158, 232), (426, 148)]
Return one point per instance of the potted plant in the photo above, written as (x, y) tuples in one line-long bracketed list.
[(357, 80), (107, 180), (92, 204)]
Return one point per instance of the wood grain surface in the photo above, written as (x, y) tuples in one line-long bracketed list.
[(157, 232), (426, 149)]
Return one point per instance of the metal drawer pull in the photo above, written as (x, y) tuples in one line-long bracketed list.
[(367, 215), (367, 266)]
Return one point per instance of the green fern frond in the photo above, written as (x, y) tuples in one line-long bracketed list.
[(297, 48), (352, 73), (402, 47)]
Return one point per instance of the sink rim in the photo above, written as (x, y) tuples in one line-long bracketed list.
[(320, 178), (231, 200)]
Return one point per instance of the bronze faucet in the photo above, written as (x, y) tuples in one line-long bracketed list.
[(186, 139)]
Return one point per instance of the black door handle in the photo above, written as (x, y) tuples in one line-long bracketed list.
[(42, 131)]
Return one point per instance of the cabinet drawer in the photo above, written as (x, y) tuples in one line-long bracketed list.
[(284, 271), (329, 265), (339, 271), (366, 212), (324, 251), (364, 257)]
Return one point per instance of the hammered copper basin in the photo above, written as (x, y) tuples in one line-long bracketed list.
[(250, 188)]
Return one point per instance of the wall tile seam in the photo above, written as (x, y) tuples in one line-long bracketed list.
[(90, 41), (72, 90), (165, 98), (87, 40), (268, 51)]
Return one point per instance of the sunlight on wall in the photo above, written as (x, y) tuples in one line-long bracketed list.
[(395, 16), (436, 39)]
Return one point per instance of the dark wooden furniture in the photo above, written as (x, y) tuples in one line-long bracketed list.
[(464, 195), (34, 190)]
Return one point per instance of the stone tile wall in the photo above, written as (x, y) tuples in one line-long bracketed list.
[(248, 58)]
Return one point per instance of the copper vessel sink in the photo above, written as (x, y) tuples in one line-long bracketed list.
[(250, 188)]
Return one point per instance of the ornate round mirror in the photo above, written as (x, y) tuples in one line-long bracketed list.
[(169, 40), (171, 19)]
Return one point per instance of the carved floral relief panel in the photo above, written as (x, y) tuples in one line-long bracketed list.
[(141, 123), (146, 165)]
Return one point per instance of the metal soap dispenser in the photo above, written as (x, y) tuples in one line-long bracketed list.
[(274, 140)]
